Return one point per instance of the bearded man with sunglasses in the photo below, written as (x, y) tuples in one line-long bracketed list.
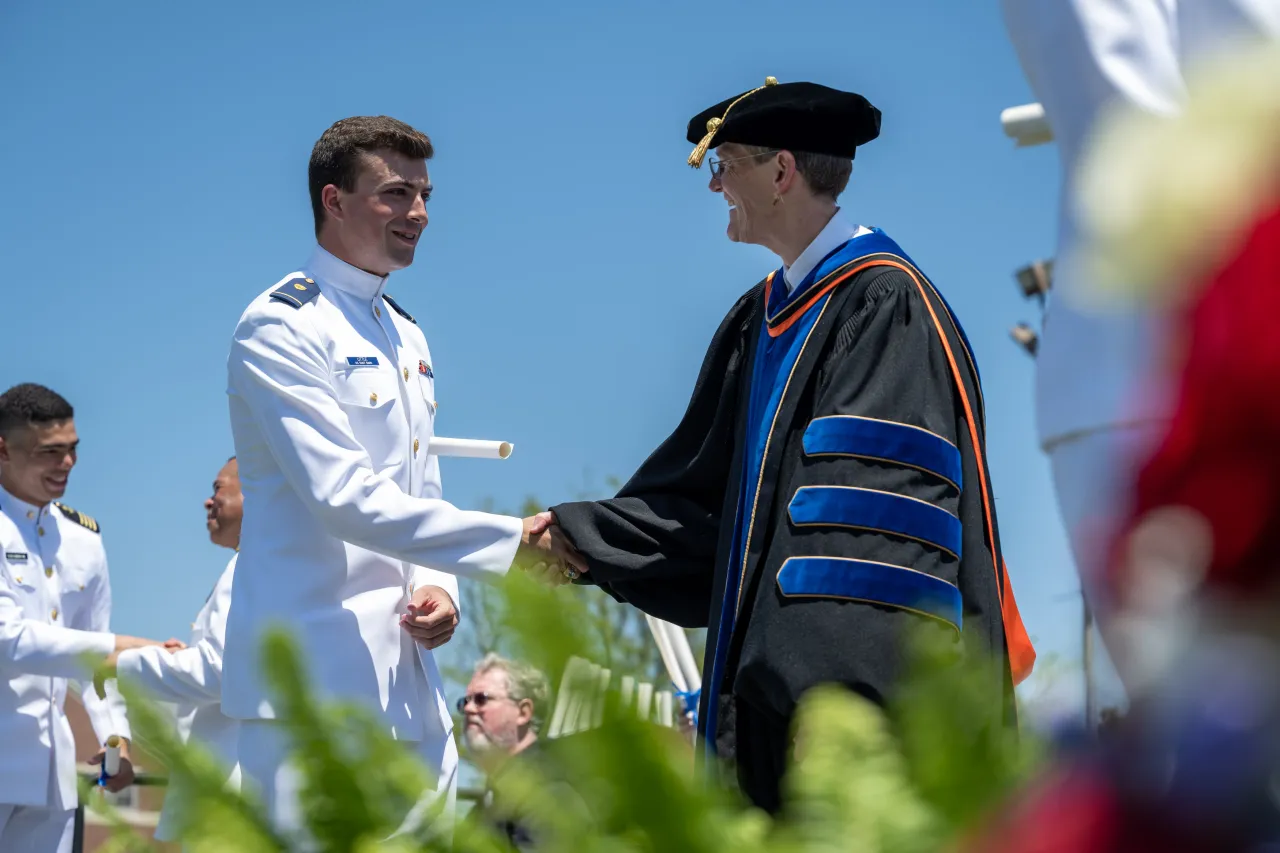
[(504, 709), (826, 493)]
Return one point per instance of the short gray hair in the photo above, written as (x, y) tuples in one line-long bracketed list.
[(823, 173), (523, 682)]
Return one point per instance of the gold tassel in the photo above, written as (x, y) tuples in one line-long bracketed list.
[(713, 125), (695, 159)]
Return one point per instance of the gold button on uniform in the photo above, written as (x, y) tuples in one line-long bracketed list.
[(377, 312), (48, 571), (406, 374), (55, 614), (31, 513), (415, 446), (40, 530), (373, 399)]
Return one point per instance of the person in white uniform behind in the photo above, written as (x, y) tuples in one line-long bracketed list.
[(55, 613), (347, 541), (1100, 400), (191, 679)]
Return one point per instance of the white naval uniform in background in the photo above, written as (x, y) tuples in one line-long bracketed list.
[(55, 609), (332, 400), (191, 680), (1100, 401)]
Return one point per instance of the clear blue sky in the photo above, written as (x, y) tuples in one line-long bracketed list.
[(574, 267)]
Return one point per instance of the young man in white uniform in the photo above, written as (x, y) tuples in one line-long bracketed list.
[(55, 614), (191, 679), (1100, 399), (332, 398)]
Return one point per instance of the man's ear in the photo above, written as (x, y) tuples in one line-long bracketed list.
[(786, 175), (525, 711), (4, 450), (331, 200)]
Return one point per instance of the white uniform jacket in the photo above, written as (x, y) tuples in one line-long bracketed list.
[(55, 612), (1097, 366), (332, 398), (191, 680)]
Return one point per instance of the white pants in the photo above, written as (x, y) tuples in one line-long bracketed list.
[(265, 770), (47, 828), (36, 829), (1093, 476)]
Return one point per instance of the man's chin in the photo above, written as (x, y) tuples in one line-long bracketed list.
[(477, 743), (734, 229), (400, 258)]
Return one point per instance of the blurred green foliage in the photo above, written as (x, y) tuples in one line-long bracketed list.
[(921, 783)]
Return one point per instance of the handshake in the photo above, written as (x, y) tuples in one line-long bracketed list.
[(106, 670), (546, 554)]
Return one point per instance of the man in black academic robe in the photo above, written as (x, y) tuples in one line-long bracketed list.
[(826, 491)]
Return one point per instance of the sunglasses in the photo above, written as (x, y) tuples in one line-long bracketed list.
[(479, 699)]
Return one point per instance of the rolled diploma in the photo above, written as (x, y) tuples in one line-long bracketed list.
[(111, 761), (475, 448), (1027, 125)]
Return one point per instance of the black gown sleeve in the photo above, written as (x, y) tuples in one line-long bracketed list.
[(654, 544)]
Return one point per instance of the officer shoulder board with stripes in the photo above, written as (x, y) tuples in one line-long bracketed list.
[(79, 517), (296, 291), (395, 306)]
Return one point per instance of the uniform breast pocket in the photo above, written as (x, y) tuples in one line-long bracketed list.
[(19, 573), (428, 387), (75, 597), (368, 396)]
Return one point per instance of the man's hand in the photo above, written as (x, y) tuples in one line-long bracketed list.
[(432, 617), (174, 645), (552, 557), (124, 641), (107, 669), (124, 778)]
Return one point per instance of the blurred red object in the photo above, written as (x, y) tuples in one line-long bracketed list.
[(1221, 454), (1080, 811)]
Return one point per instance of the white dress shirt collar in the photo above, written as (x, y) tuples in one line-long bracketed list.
[(19, 511), (331, 270), (836, 233)]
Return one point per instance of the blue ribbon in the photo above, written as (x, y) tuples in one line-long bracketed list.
[(689, 699)]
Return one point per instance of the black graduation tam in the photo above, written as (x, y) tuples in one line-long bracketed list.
[(793, 116)]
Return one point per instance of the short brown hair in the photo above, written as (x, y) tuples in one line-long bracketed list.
[(31, 404), (336, 157), (823, 173)]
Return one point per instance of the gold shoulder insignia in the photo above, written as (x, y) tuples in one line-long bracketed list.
[(78, 517), (395, 306)]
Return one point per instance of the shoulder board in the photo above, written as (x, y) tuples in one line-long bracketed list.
[(296, 292), (79, 517), (396, 308)]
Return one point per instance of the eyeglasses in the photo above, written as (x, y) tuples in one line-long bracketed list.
[(717, 166), (479, 699)]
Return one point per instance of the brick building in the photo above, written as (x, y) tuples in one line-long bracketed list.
[(138, 804)]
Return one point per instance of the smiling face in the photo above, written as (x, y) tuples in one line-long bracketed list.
[(749, 186), (36, 460), (376, 226), (224, 509)]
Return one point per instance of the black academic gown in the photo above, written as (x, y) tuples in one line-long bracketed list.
[(885, 351)]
